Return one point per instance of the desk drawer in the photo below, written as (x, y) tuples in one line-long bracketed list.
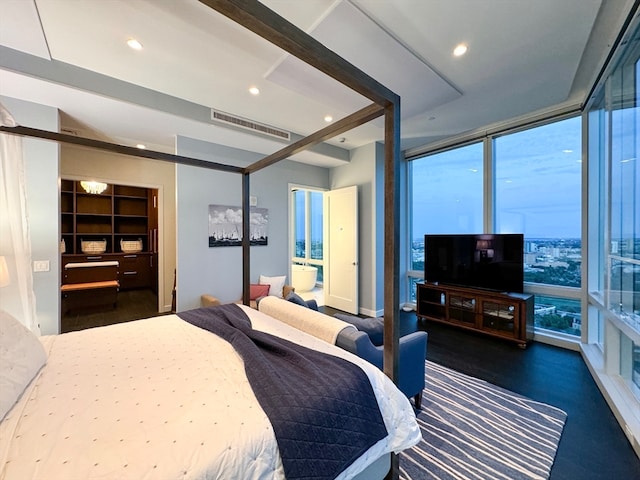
[(135, 271)]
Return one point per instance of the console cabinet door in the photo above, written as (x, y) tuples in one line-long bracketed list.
[(500, 317), (462, 309)]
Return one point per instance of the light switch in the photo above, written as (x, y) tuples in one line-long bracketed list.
[(41, 266)]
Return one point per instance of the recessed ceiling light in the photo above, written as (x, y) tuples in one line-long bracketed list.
[(141, 146), (254, 90), (328, 118), (135, 44), (460, 50)]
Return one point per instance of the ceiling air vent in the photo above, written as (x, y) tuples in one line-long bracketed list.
[(232, 120)]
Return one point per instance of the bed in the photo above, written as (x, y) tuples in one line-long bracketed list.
[(42, 438), (161, 398)]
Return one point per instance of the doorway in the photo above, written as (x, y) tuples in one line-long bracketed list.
[(324, 246), (307, 242), (107, 225)]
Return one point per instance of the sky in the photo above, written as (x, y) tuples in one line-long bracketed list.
[(537, 186)]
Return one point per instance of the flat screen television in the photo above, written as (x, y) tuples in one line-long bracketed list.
[(486, 261)]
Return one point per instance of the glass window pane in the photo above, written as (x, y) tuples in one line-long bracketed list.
[(299, 219), (316, 199), (413, 281), (446, 196), (558, 314), (320, 276), (624, 248), (538, 193), (635, 369), (597, 152)]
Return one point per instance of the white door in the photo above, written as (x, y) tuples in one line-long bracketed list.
[(341, 254)]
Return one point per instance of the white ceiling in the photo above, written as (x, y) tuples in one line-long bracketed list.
[(523, 57)]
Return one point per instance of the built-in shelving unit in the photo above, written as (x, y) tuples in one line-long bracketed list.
[(119, 213)]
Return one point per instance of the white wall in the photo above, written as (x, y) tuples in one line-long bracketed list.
[(366, 171), (43, 198), (218, 271)]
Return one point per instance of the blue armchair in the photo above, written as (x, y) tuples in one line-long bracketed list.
[(411, 358)]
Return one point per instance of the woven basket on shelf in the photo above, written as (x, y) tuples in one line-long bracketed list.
[(93, 246), (131, 246)]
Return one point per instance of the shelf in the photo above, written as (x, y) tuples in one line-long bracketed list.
[(121, 212), (66, 186), (93, 205), (433, 311), (66, 202), (130, 206), (129, 191)]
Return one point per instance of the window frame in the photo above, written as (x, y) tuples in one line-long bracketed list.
[(487, 138)]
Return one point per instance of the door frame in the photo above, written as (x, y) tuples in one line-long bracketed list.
[(291, 237)]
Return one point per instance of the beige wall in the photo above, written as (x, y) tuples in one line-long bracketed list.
[(82, 163)]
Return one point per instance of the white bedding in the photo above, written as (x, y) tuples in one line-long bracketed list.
[(161, 399)]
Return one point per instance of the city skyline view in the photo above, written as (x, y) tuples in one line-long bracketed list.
[(534, 188)]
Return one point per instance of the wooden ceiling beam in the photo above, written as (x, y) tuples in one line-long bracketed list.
[(256, 17), (344, 125), (116, 148)]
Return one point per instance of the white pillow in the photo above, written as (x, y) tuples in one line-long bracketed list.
[(21, 358), (276, 284)]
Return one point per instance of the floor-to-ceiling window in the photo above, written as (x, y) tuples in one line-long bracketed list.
[(613, 296), (308, 228), (537, 191), (581, 222), (521, 181), (446, 197)]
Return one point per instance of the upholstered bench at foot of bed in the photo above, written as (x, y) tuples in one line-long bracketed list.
[(412, 353), (207, 300), (411, 358)]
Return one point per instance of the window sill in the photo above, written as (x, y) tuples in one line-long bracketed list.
[(623, 403), (557, 339)]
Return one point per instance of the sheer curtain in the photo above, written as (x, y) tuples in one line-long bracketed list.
[(16, 296)]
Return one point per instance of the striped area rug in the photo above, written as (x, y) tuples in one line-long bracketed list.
[(473, 430)]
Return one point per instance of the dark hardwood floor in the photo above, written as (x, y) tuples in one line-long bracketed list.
[(131, 305), (593, 446)]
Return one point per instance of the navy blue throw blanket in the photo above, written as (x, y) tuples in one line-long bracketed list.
[(322, 408)]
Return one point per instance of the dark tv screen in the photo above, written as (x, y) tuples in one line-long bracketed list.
[(487, 261)]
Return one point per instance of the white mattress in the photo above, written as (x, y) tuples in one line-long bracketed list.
[(161, 399)]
